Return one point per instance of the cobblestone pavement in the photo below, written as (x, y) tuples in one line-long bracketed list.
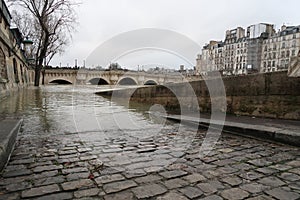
[(66, 166)]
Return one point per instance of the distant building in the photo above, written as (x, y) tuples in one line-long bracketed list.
[(278, 49), (259, 48)]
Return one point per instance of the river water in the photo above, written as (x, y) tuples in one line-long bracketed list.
[(65, 109)]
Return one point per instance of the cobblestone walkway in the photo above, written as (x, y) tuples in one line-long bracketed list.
[(67, 166)]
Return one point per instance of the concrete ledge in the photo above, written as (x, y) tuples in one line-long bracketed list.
[(9, 129), (282, 135)]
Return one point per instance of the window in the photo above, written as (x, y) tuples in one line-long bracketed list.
[(3, 69), (287, 53), (283, 45), (293, 52), (286, 65), (273, 64), (274, 47), (16, 71), (294, 36)]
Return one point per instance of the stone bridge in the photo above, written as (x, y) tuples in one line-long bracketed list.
[(113, 77)]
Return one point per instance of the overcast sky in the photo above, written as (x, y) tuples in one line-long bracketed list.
[(199, 20)]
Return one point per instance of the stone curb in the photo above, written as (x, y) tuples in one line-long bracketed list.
[(9, 129), (258, 131)]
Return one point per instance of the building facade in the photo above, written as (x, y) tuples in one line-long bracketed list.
[(279, 49), (14, 70), (259, 48)]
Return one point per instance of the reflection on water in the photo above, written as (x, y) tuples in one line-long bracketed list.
[(69, 109)]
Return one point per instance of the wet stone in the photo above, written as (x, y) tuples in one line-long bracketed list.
[(172, 196), (67, 152), (289, 177), (224, 162), (234, 194), (233, 181), (191, 192), (149, 178), (147, 191), (173, 174), (283, 194), (212, 197), (60, 196), (267, 170), (135, 173), (118, 186), (251, 175), (152, 169), (271, 181), (281, 167), (83, 150), (47, 168), (18, 186), (67, 160), (260, 162), (21, 172), (22, 161), (114, 150), (194, 178), (121, 195), (146, 150), (74, 170), (109, 178), (49, 180), (10, 196), (175, 183), (72, 185), (211, 186), (111, 170), (86, 193), (76, 176), (36, 164), (254, 187), (294, 163), (207, 188), (85, 158), (39, 191)]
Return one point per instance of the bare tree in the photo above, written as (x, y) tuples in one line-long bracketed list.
[(49, 23)]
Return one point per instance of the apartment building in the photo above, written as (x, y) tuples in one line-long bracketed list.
[(259, 48), (278, 49)]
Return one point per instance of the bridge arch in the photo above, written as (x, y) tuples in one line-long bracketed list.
[(150, 82), (99, 81), (127, 81), (60, 81)]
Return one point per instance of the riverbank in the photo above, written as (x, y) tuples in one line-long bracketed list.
[(284, 131), (10, 128)]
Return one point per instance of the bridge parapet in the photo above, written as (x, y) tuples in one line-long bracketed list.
[(112, 77)]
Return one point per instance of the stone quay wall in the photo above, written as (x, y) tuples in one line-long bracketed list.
[(271, 95)]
